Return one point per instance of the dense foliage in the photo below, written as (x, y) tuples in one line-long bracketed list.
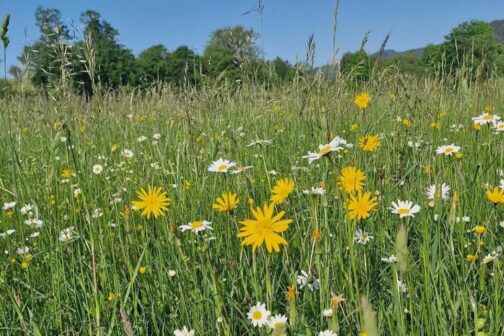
[(473, 47)]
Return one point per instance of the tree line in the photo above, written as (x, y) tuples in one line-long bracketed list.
[(472, 49), (94, 60)]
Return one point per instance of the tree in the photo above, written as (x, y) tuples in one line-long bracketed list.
[(152, 64), (283, 69), (115, 63), (472, 46), (408, 62), (41, 58), (432, 54), (239, 41), (182, 65), (15, 72), (231, 51), (356, 65)]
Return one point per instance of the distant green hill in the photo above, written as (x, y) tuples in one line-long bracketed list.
[(497, 25)]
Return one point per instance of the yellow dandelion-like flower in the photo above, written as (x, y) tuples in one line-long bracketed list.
[(359, 207), (479, 229), (265, 228), (152, 202), (351, 179), (111, 297), (281, 190), (496, 196), (227, 202), (362, 100), (406, 122), (67, 173), (369, 143), (336, 300), (290, 294)]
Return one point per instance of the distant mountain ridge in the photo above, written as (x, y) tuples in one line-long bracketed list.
[(497, 25)]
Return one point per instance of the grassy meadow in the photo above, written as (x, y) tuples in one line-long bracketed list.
[(80, 256)]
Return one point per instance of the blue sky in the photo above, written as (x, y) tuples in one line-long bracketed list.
[(287, 23)]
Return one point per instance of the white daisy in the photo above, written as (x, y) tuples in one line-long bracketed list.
[(328, 312), (414, 144), (315, 191), (486, 118), (127, 153), (9, 205), (362, 237), (501, 185), (221, 166), (401, 286), (26, 209), (68, 234), (278, 322), (305, 279), (463, 219), (404, 208), (97, 213), (23, 250), (258, 315), (183, 332), (260, 142), (7, 233), (499, 126), (434, 192), (76, 192), (196, 226), (390, 260), (141, 138), (34, 223), (327, 333), (335, 145), (97, 169), (156, 136), (448, 150), (490, 257)]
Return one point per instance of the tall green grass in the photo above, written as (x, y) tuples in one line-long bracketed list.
[(66, 287)]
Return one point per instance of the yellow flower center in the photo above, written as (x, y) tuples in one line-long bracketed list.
[(277, 325), (196, 224), (222, 167), (403, 211), (257, 315), (363, 236), (448, 150), (488, 117), (326, 149)]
